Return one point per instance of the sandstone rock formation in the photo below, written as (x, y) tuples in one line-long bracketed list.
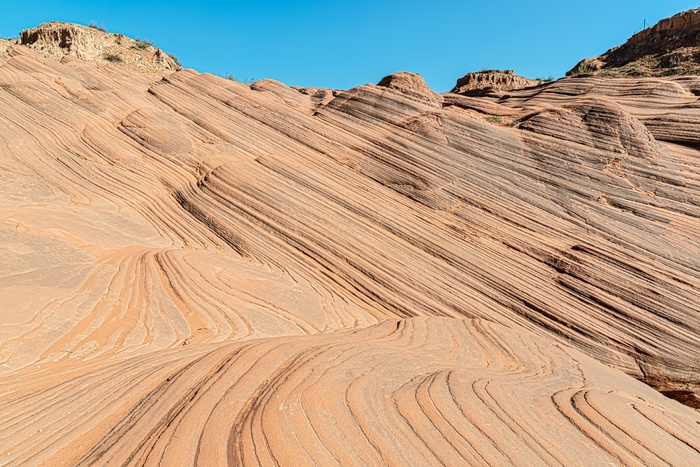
[(195, 271), (671, 47), (482, 82), (412, 85), (57, 40), (418, 391)]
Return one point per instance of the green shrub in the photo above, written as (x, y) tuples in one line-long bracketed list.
[(582, 68), (175, 59), (141, 44), (94, 25), (114, 58), (633, 70), (234, 78)]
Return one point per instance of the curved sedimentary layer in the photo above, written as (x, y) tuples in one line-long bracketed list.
[(418, 391), (217, 270)]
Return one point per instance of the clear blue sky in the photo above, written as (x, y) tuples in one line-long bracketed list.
[(341, 44)]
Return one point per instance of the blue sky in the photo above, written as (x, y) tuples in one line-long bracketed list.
[(338, 44)]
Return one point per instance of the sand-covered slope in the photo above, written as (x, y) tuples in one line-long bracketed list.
[(197, 271)]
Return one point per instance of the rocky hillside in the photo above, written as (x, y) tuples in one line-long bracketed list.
[(56, 40), (196, 271), (671, 47)]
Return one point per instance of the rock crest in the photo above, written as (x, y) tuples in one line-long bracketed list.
[(412, 85), (56, 40), (482, 82)]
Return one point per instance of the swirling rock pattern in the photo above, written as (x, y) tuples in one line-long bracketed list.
[(197, 271), (404, 392)]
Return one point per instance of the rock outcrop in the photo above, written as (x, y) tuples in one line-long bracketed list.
[(671, 47), (411, 85), (56, 40), (196, 271), (482, 82)]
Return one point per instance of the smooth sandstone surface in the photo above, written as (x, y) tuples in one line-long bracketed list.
[(195, 271)]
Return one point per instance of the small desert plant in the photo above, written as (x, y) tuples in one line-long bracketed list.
[(232, 77), (609, 73), (114, 58), (504, 121), (672, 71), (175, 59), (583, 69), (546, 79), (634, 70), (93, 24), (141, 44), (675, 60)]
